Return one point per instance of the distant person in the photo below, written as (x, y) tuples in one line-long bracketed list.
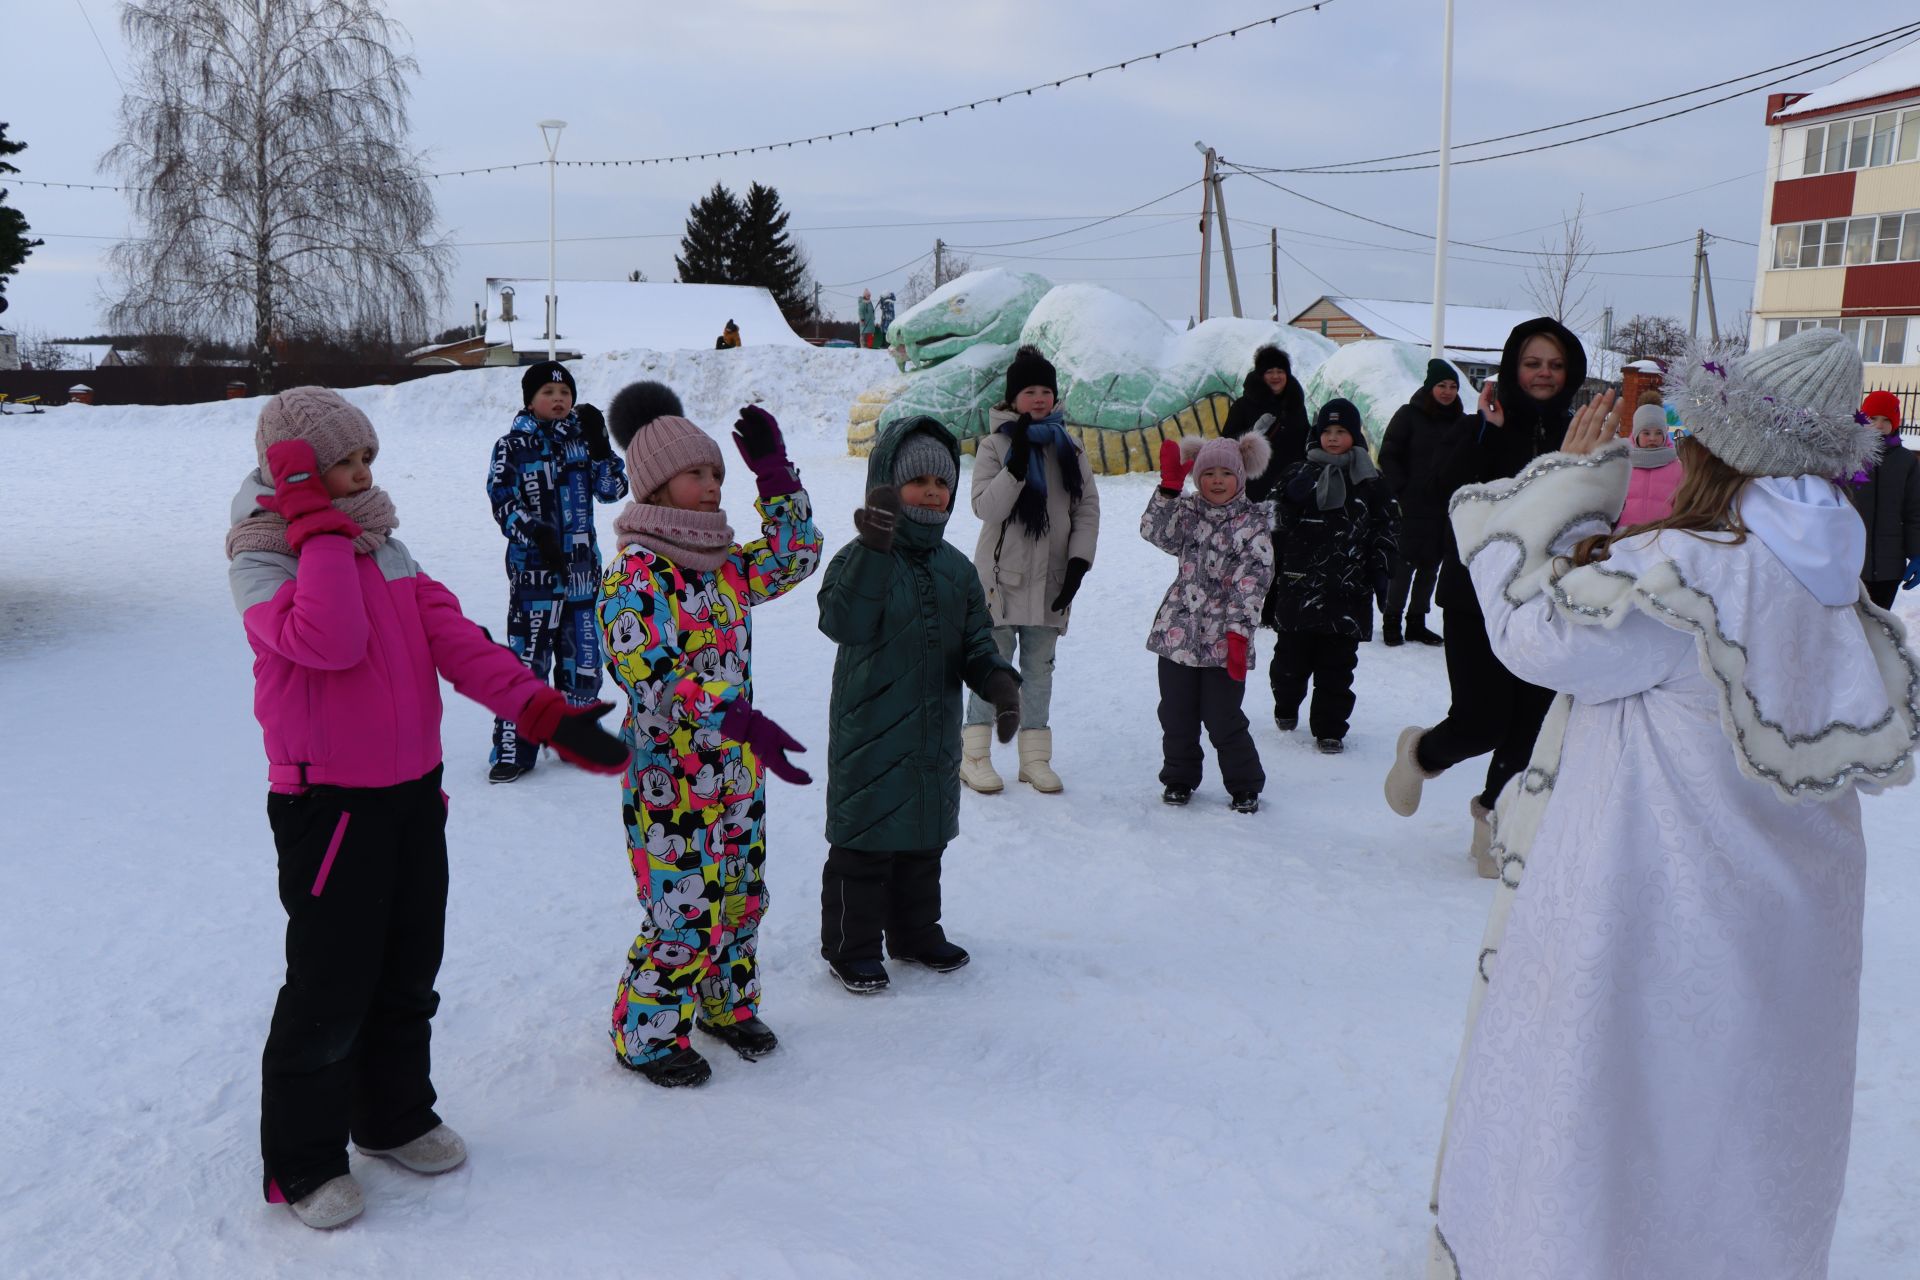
[(677, 612), (545, 475), (866, 319), (886, 319), (1039, 512), (351, 640), (1522, 416), (729, 338), (1889, 502), (1409, 466), (1332, 547), (1272, 401), (911, 623), (1203, 631), (1657, 469)]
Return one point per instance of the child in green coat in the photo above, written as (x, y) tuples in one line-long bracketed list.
[(909, 615)]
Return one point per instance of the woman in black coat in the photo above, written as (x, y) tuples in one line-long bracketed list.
[(1409, 454), (1272, 390)]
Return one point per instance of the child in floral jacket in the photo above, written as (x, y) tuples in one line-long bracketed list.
[(1204, 629), (675, 610)]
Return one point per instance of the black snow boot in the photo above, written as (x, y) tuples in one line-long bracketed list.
[(679, 1068), (1176, 794), (1329, 746), (1390, 635), (862, 977), (1419, 634), (751, 1039), (1286, 724), (1246, 802), (507, 771), (941, 957)]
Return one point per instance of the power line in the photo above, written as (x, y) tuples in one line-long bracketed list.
[(111, 69), (1895, 32), (1002, 244), (847, 284), (1602, 133)]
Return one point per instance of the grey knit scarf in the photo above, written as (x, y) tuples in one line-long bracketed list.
[(1647, 459), (1337, 470)]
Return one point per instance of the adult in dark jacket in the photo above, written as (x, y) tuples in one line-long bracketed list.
[(1271, 390), (1524, 415), (1332, 547), (1408, 454), (910, 617), (1889, 502)]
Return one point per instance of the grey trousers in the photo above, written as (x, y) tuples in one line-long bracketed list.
[(1036, 675)]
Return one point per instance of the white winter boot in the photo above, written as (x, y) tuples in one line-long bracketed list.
[(334, 1203), (1483, 840), (1406, 778), (976, 759), (435, 1151), (1036, 760)]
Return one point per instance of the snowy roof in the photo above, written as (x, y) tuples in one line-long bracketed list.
[(1475, 335), (89, 355), (598, 316), (1898, 72)]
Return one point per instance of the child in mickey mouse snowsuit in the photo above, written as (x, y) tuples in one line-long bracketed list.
[(675, 609), (545, 474)]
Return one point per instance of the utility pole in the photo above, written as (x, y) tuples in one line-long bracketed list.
[(816, 310), (1206, 226), (939, 256), (1446, 161), (1606, 329), (1273, 266), (1699, 261), (1226, 241), (1706, 277)]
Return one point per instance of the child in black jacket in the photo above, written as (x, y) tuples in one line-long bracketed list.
[(1332, 551)]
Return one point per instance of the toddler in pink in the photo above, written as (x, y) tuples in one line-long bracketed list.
[(350, 639), (1657, 470)]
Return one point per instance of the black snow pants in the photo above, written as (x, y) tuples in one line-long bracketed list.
[(363, 878), (1410, 593), (1493, 709), (1191, 697), (1326, 660), (863, 895)]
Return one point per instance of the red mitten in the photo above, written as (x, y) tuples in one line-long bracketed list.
[(572, 733), (1237, 656), (1173, 468), (300, 496)]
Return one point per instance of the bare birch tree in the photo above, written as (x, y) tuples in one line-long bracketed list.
[(1558, 282), (265, 147)]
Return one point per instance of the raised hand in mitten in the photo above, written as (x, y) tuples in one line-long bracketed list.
[(572, 732), (300, 496), (876, 521), (594, 424), (769, 741), (553, 550), (1003, 691), (1237, 656), (1076, 570), (1173, 468), (1020, 449), (764, 449)]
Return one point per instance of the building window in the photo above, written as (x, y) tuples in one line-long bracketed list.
[(1891, 137), (1853, 242), (1880, 340)]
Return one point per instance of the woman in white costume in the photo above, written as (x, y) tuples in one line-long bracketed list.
[(1658, 1084)]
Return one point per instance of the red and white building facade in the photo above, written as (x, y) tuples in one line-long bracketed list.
[(1840, 226)]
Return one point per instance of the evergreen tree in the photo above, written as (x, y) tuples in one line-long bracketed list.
[(708, 249), (768, 257), (14, 245)]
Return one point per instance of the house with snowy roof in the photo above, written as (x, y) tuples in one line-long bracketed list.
[(1840, 219), (1475, 336), (598, 316)]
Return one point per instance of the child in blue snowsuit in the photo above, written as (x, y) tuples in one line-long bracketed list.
[(546, 473)]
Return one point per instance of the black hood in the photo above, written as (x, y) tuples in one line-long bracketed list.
[(1289, 406), (1423, 401), (1517, 402)]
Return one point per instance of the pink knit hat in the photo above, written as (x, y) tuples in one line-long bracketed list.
[(1250, 452), (664, 448), (321, 417)]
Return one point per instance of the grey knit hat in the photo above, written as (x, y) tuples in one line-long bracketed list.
[(1791, 409), (922, 455), (321, 417)]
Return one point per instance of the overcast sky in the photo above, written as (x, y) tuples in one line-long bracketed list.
[(1359, 78)]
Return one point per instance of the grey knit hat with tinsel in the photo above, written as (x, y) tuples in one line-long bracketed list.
[(1791, 409)]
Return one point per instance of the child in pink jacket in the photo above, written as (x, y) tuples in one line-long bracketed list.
[(350, 640), (1657, 471)]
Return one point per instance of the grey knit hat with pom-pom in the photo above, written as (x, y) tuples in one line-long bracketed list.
[(1791, 409)]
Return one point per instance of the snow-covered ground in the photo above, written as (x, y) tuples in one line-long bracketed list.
[(1191, 1042)]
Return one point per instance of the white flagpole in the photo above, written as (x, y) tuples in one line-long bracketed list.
[(1446, 159)]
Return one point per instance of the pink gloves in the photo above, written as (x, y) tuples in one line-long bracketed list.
[(300, 496)]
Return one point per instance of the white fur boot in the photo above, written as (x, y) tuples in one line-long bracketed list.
[(334, 1203), (435, 1151), (1406, 778), (976, 759), (1482, 850), (1036, 760)]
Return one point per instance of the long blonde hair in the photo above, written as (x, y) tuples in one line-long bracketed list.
[(1707, 501)]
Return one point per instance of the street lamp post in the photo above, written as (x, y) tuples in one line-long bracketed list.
[(1446, 160), (550, 134)]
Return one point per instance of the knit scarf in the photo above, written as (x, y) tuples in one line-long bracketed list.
[(1330, 490), (1043, 434), (697, 540), (263, 530), (1647, 459)]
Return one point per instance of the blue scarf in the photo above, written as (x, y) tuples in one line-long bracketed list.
[(1043, 434)]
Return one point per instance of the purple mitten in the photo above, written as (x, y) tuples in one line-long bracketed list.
[(769, 741), (758, 438)]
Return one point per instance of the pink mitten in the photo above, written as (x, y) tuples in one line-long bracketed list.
[(300, 496)]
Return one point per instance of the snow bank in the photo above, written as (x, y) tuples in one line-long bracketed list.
[(1378, 376)]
